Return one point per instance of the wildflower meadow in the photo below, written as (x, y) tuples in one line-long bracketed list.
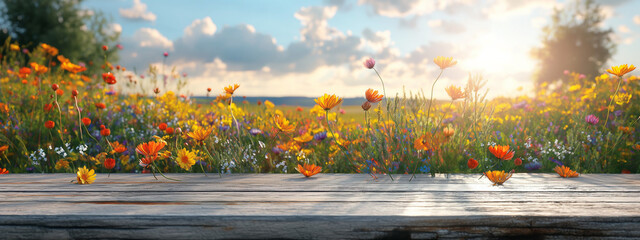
[(56, 116)]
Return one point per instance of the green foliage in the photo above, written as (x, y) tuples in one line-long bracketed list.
[(573, 41), (79, 34)]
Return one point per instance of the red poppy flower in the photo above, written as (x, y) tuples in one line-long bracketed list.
[(109, 78), (86, 121), (49, 124), (109, 163), (162, 126), (472, 163)]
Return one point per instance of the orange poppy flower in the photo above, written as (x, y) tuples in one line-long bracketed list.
[(39, 69), (49, 124), (498, 177), (119, 148), (24, 72), (169, 130), (3, 148), (283, 124), (309, 170), (327, 102), (373, 96), (101, 105), (62, 59), (454, 92), (444, 62), (231, 88), (448, 131), (621, 70), (426, 142), (501, 152), (49, 49), (86, 121), (3, 171), (565, 172), (150, 149), (162, 126), (72, 67)]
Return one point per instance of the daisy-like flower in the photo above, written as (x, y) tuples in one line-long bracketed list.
[(231, 88), (327, 102), (444, 62), (454, 92), (498, 177), (186, 158), (117, 147), (86, 176), (373, 96), (3, 171), (308, 170), (199, 133), (283, 124), (621, 70), (501, 152), (150, 149), (565, 172)]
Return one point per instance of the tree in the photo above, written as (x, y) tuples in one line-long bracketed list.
[(573, 41), (77, 33)]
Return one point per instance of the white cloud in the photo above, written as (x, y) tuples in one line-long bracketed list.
[(404, 8), (315, 23), (636, 19), (624, 29), (137, 12), (201, 26)]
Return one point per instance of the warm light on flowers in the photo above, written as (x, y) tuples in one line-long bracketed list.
[(498, 177), (3, 171), (186, 158), (501, 152), (283, 124), (86, 176), (309, 170), (52, 51), (565, 172), (373, 96), (109, 78), (454, 92), (621, 70), (327, 102), (444, 62)]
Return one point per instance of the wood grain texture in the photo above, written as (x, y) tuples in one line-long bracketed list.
[(326, 206)]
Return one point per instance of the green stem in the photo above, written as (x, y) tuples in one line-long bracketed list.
[(611, 101), (431, 98)]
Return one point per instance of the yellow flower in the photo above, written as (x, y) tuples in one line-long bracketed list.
[(327, 102), (304, 138), (283, 124), (574, 88), (444, 62), (498, 177), (231, 88), (15, 47), (86, 176), (186, 159), (199, 133), (268, 104), (621, 70), (622, 98), (454, 92)]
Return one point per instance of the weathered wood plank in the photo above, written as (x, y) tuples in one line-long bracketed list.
[(329, 206)]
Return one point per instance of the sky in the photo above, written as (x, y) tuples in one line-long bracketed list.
[(308, 48)]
